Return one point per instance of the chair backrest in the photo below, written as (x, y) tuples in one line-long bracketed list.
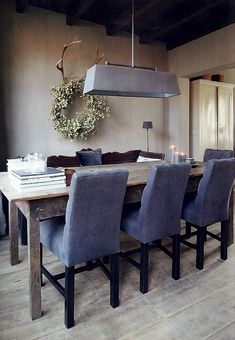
[(212, 201), (93, 215), (217, 154), (162, 201)]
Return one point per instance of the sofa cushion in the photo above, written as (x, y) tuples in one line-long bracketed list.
[(63, 161), (89, 157), (120, 157), (53, 161), (148, 154), (67, 161)]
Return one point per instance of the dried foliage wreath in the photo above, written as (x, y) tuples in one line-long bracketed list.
[(84, 122)]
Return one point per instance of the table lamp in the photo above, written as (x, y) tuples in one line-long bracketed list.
[(147, 125)]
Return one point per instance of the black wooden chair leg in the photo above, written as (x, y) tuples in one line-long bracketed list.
[(69, 297), (89, 265), (201, 232), (224, 240), (144, 259), (188, 230), (158, 243), (114, 282), (106, 259), (176, 257)]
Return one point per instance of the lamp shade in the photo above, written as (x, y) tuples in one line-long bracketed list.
[(147, 125), (121, 80)]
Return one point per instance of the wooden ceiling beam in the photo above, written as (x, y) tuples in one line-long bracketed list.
[(157, 34), (226, 15), (20, 6), (76, 9), (116, 24)]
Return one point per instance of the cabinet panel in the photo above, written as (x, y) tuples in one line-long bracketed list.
[(208, 118), (225, 118), (211, 116)]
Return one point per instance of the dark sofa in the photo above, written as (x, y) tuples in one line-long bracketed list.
[(107, 158)]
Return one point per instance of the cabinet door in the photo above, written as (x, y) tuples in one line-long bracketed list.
[(225, 118), (208, 118)]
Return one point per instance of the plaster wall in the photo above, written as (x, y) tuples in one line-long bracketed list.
[(211, 53), (31, 44), (179, 118), (229, 75)]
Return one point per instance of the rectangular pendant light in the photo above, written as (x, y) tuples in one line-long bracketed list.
[(122, 80), (130, 81)]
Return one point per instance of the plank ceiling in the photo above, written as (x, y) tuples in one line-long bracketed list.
[(174, 22)]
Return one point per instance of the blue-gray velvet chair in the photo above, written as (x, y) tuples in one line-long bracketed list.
[(211, 154), (210, 205), (158, 216), (89, 231), (217, 154)]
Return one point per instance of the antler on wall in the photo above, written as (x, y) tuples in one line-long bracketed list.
[(60, 63)]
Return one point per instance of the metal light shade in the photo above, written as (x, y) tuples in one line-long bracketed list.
[(147, 125), (116, 80)]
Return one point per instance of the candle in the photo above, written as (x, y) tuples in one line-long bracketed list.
[(172, 153), (177, 157), (182, 157)]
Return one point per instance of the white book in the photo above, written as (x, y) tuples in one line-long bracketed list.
[(26, 181), (26, 174), (30, 188)]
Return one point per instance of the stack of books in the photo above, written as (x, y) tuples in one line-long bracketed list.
[(24, 180)]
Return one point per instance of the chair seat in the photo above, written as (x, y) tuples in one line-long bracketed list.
[(188, 210), (130, 221), (51, 235)]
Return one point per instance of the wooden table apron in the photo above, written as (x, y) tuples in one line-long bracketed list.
[(41, 205)]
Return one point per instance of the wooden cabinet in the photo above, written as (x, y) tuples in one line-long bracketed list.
[(211, 116)]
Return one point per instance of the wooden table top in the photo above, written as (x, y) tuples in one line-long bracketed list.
[(138, 174)]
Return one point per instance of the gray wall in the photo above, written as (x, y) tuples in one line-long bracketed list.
[(31, 44), (209, 54)]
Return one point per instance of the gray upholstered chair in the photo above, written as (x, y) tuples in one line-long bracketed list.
[(210, 205), (89, 231), (211, 154), (217, 154), (158, 216)]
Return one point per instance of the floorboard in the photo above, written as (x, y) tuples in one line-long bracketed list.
[(198, 306)]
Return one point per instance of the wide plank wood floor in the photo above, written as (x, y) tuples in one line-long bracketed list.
[(201, 305)]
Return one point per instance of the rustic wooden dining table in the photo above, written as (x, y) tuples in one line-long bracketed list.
[(44, 204)]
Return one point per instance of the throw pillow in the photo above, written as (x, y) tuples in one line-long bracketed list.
[(89, 157)]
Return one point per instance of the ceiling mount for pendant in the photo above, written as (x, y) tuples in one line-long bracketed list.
[(130, 81)]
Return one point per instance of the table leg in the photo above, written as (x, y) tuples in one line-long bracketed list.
[(34, 263), (13, 233)]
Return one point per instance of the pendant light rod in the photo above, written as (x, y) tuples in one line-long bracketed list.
[(133, 35)]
